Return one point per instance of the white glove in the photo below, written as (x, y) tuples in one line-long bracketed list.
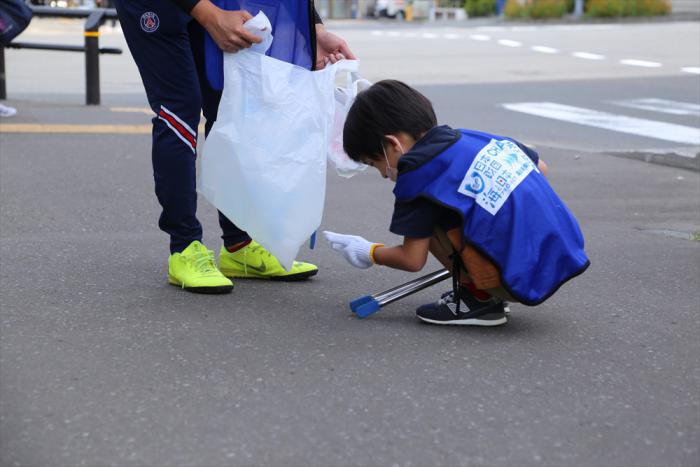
[(356, 250)]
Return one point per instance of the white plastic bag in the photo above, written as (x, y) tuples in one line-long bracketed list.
[(264, 161), (344, 97)]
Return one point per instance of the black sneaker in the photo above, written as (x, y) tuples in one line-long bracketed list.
[(472, 311)]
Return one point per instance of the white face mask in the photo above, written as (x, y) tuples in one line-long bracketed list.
[(391, 172)]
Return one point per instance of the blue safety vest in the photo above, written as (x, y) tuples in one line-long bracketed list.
[(510, 212), (292, 27)]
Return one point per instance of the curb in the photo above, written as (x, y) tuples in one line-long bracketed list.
[(687, 158)]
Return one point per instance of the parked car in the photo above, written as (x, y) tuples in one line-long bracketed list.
[(390, 9), (419, 9)]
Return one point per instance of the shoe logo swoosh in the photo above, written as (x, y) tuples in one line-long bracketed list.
[(261, 268)]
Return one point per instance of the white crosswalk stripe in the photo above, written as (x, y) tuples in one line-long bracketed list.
[(620, 123), (662, 105)]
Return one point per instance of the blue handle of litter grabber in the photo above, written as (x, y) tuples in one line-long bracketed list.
[(312, 240)]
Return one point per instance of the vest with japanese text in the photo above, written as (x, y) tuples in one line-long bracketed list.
[(510, 212)]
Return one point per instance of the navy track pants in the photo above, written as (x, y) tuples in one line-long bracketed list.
[(168, 47)]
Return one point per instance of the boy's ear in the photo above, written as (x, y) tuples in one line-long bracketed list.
[(393, 142)]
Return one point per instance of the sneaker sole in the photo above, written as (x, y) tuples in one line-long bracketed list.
[(220, 289), (467, 322), (288, 278)]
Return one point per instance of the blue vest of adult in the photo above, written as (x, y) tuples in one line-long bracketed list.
[(510, 212), (292, 27)]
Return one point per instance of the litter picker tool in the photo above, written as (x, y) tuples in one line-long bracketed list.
[(369, 304)]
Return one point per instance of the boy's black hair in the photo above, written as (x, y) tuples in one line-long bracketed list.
[(385, 108)]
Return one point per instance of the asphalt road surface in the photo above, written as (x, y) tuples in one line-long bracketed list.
[(103, 363)]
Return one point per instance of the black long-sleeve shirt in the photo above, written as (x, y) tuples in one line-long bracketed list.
[(187, 5)]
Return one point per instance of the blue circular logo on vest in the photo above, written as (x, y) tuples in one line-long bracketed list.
[(477, 185), (149, 21)]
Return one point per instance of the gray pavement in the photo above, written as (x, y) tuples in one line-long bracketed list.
[(103, 363)]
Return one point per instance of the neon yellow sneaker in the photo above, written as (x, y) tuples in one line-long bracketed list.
[(195, 270), (255, 262)]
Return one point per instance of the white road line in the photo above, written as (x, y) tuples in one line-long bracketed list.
[(510, 43), (393, 34), (635, 126), (568, 27), (544, 50), (662, 105), (691, 69), (584, 27), (377, 33), (524, 28), (588, 56), (452, 36), (642, 63), (429, 35), (480, 37)]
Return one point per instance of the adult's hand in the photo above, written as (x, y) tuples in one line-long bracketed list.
[(225, 27), (330, 48)]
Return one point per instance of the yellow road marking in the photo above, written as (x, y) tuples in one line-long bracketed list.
[(74, 129), (139, 110), (79, 129), (92, 34)]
